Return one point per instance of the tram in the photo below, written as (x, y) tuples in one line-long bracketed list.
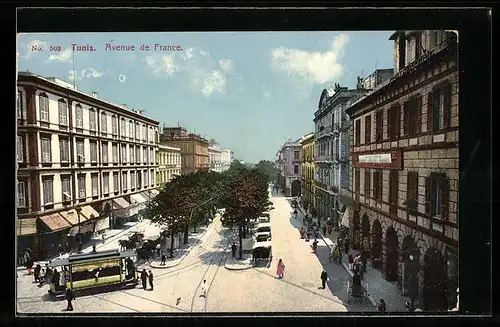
[(92, 270)]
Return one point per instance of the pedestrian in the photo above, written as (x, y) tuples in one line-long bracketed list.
[(94, 250), (233, 249), (302, 232), (158, 250), (163, 258), (38, 268), (360, 268), (150, 277), (103, 238), (70, 296), (350, 260), (381, 307), (96, 275), (204, 288), (324, 230), (329, 230), (280, 271), (364, 259), (315, 246), (324, 278), (144, 277), (346, 245)]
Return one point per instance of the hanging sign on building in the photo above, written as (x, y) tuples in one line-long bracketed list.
[(390, 159)]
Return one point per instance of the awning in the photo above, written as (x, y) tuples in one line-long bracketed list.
[(138, 198), (120, 203), (346, 217), (89, 212), (101, 224), (72, 216), (26, 226), (55, 222)]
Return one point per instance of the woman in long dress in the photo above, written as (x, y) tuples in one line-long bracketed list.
[(281, 269)]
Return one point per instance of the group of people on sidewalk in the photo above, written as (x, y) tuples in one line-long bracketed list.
[(145, 277)]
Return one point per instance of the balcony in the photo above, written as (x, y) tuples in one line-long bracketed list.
[(326, 131)]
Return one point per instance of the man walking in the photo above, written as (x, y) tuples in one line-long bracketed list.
[(324, 278), (163, 258), (233, 249), (70, 296), (150, 276)]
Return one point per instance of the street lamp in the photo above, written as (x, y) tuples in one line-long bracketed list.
[(78, 209)]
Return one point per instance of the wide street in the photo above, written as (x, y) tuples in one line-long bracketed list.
[(177, 289)]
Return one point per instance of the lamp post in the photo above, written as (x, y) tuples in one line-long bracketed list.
[(412, 282), (78, 209)]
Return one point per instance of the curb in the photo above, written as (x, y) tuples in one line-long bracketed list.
[(242, 268), (184, 255)]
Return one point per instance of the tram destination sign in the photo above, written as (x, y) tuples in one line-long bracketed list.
[(391, 159)]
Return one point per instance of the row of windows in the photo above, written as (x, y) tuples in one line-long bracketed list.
[(436, 191), (138, 179), (438, 116), (329, 148), (169, 158), (134, 129)]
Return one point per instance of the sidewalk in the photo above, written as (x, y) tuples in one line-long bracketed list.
[(377, 287), (181, 253), (234, 263)]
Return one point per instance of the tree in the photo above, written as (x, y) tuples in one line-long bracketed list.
[(245, 197), (269, 169), (236, 165)]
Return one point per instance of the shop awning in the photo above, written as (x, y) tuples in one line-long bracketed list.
[(138, 198), (55, 222), (346, 217), (89, 212), (102, 224), (120, 203), (72, 216)]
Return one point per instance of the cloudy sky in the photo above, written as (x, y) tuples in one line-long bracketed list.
[(251, 91)]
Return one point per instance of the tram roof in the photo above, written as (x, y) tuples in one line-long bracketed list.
[(89, 257)]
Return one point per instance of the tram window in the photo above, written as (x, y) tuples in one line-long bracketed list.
[(87, 271)]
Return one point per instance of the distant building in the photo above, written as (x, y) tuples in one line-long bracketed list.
[(308, 169), (227, 157), (169, 164), (194, 148), (77, 151), (215, 155), (288, 160)]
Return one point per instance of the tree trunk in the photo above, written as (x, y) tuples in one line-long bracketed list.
[(186, 234), (172, 240), (240, 236), (244, 229)]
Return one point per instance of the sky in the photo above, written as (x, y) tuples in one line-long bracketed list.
[(250, 91)]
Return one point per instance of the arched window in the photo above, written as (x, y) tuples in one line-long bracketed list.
[(137, 131), (123, 128), (104, 123), (114, 125), (79, 116), (63, 112), (131, 129), (92, 119), (144, 133), (43, 104)]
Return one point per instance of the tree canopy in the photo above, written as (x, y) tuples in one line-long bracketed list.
[(269, 169)]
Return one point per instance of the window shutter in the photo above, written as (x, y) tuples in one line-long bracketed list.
[(446, 105), (379, 184), (418, 114), (428, 195), (388, 123), (429, 111), (398, 121), (406, 119), (446, 196)]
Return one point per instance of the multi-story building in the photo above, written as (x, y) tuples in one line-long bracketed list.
[(227, 157), (194, 148), (79, 158), (332, 149), (308, 153), (288, 159), (404, 181), (169, 164), (215, 156)]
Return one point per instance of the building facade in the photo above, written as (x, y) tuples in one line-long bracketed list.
[(308, 153), (169, 164), (332, 150), (227, 157), (215, 155), (194, 148), (404, 176), (289, 165), (79, 158)]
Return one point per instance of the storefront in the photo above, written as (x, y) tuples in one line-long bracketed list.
[(52, 231)]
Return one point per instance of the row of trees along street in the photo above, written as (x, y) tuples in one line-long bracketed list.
[(190, 199)]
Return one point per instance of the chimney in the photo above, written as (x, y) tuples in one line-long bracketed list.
[(94, 94), (124, 106), (359, 85)]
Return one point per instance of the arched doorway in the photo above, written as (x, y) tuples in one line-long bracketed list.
[(410, 257), (434, 281), (296, 188), (365, 233), (391, 255), (356, 231), (376, 250)]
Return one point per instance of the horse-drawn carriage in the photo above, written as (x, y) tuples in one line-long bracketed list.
[(262, 251), (356, 292)]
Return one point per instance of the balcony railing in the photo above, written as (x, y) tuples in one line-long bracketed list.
[(326, 130)]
